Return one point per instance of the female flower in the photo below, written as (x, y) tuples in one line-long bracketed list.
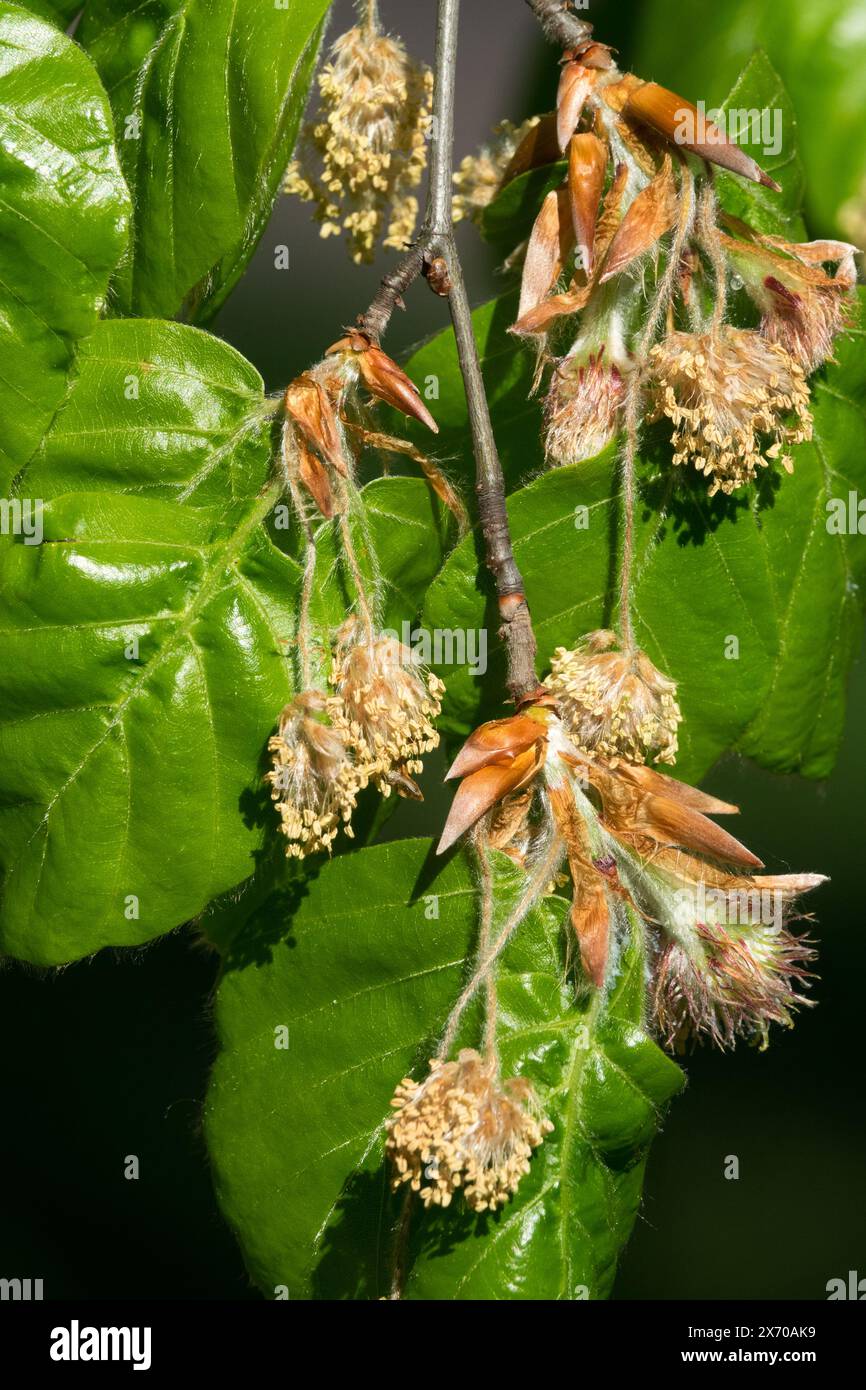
[(583, 406), (642, 847), (724, 983)]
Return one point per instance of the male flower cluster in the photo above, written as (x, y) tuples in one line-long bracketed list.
[(365, 151), (374, 728), (464, 1129)]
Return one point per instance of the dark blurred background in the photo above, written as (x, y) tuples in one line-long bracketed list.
[(110, 1058)]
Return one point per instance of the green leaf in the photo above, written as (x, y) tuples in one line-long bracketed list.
[(361, 966), (59, 12), (130, 776), (207, 96), (760, 89), (63, 222), (820, 51), (508, 219), (761, 567), (155, 409)]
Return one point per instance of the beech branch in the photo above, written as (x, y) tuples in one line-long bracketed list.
[(559, 22), (435, 255), (394, 285)]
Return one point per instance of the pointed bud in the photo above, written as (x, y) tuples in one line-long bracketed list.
[(383, 378), (611, 211), (481, 790), (538, 318), (550, 242), (671, 822), (649, 780), (789, 886), (587, 160), (575, 84), (680, 122), (650, 215), (498, 741), (555, 306), (314, 477), (310, 407), (590, 917)]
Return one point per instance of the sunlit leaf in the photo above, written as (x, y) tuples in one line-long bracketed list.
[(207, 97), (63, 222), (147, 645), (820, 51), (360, 966)]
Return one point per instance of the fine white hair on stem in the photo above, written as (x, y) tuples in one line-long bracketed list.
[(368, 13), (663, 297), (365, 609), (481, 845), (708, 236), (357, 512), (543, 871), (288, 460)]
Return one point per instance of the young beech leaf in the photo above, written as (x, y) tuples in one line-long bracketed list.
[(760, 88), (337, 987), (819, 50), (207, 98), (60, 12), (63, 222), (508, 219), (146, 645)]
